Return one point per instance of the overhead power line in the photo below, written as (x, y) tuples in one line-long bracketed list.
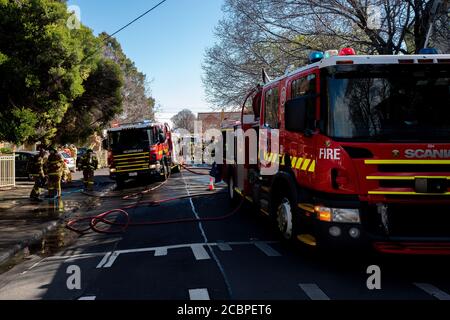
[(133, 21), (112, 35)]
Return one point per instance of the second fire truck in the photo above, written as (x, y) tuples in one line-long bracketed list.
[(140, 150)]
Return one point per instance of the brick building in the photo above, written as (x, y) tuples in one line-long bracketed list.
[(214, 120)]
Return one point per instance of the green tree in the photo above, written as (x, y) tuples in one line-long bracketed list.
[(94, 110), (138, 104), (43, 66)]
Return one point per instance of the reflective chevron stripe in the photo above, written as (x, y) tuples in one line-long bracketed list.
[(299, 163)]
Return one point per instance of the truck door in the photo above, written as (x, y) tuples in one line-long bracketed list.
[(269, 122), (298, 145)]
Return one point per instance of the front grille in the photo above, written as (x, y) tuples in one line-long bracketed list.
[(417, 168), (411, 184), (406, 178), (131, 162)]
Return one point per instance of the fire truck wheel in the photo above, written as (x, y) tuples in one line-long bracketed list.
[(285, 218), (176, 169)]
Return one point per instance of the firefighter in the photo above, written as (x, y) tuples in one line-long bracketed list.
[(89, 163), (216, 170), (55, 169), (36, 169)]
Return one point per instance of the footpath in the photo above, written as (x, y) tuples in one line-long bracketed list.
[(25, 223)]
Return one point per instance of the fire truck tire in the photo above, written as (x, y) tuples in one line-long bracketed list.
[(285, 218), (176, 169)]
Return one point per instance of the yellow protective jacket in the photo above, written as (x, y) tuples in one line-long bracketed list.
[(35, 166), (55, 165), (89, 163)]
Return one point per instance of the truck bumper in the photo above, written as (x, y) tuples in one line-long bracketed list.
[(153, 171), (409, 230)]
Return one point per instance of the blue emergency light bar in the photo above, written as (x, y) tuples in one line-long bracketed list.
[(315, 56)]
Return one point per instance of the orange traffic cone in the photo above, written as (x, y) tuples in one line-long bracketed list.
[(211, 184)]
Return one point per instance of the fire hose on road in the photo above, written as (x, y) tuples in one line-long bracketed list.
[(104, 218)]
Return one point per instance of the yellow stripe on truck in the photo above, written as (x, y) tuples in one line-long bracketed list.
[(407, 161)]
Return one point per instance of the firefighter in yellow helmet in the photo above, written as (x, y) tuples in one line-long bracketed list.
[(89, 163), (55, 169), (36, 169)]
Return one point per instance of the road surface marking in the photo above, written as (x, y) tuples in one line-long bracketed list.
[(313, 291), (200, 252), (268, 250), (161, 252), (199, 294), (432, 290), (224, 246), (111, 259), (205, 240), (149, 249), (104, 260), (88, 298)]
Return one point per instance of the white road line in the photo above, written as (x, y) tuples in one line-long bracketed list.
[(88, 298), (224, 246), (161, 252), (150, 249), (199, 294), (200, 252), (111, 259), (268, 250), (104, 260), (205, 238), (432, 290), (77, 256), (313, 291)]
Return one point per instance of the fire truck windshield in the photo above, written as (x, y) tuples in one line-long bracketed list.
[(388, 102), (131, 139)]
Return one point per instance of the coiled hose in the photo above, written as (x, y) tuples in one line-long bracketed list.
[(95, 221)]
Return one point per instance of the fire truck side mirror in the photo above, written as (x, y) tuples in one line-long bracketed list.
[(295, 115)]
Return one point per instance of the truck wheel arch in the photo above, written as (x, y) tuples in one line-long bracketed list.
[(283, 184)]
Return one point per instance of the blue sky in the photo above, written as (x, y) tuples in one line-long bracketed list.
[(168, 44)]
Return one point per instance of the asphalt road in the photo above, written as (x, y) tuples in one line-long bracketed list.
[(239, 258)]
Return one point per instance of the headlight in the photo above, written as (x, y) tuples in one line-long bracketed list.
[(112, 170), (346, 215), (337, 215)]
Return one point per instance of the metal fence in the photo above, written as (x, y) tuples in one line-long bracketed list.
[(7, 171)]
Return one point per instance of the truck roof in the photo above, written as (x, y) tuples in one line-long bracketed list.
[(138, 125), (368, 59)]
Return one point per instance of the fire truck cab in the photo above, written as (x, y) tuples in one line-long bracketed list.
[(364, 152), (140, 150)]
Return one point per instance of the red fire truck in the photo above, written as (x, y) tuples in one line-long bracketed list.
[(364, 152), (140, 150)]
